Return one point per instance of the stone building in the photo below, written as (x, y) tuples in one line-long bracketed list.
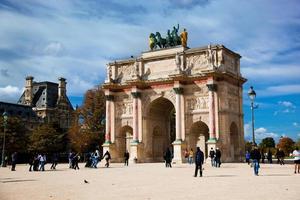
[(177, 98), (42, 102)]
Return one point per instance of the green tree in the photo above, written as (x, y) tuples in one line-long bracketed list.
[(16, 135), (248, 146), (45, 138), (286, 144), (87, 129), (267, 142)]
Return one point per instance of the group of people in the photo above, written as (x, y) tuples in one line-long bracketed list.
[(189, 156), (256, 156), (215, 157), (37, 162)]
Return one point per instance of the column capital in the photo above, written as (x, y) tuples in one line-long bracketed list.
[(212, 87), (136, 94), (178, 90), (109, 97)]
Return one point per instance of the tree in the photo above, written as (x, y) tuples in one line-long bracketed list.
[(297, 144), (248, 146), (16, 135), (286, 144), (87, 129), (45, 138), (267, 142)]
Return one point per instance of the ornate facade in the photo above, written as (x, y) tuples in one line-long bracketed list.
[(178, 98)]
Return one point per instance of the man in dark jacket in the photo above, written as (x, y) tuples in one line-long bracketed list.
[(168, 158), (212, 154), (199, 158), (218, 157), (255, 156), (13, 161), (126, 158)]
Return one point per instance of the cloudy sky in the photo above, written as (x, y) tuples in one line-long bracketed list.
[(75, 39)]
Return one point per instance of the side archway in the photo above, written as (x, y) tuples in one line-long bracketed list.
[(123, 140)]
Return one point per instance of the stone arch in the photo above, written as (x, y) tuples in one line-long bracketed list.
[(123, 140), (234, 142), (197, 136), (160, 129)]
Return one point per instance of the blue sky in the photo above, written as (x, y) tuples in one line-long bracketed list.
[(75, 39)]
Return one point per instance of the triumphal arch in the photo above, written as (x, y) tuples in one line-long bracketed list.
[(175, 98)]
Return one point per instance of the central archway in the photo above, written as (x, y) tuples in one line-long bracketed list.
[(197, 137), (160, 125), (123, 140)]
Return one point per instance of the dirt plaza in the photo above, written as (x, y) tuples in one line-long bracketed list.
[(150, 181)]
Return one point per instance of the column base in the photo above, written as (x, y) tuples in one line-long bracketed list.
[(133, 159), (177, 153), (110, 147)]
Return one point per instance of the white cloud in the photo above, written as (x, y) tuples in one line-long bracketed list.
[(296, 124), (9, 93), (287, 104), (262, 133), (54, 49)]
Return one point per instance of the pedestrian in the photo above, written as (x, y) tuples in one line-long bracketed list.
[(296, 154), (42, 159), (186, 155), (218, 157), (212, 154), (75, 161), (199, 158), (54, 160), (126, 158), (262, 156), (13, 161), (168, 158), (255, 156), (31, 162), (247, 157), (36, 162), (70, 157), (269, 156), (107, 157), (191, 155), (281, 156)]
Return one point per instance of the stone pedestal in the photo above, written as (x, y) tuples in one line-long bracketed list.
[(177, 147), (211, 143), (133, 152)]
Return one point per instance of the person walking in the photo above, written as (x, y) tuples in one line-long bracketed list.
[(107, 157), (54, 161), (191, 155), (13, 161), (42, 159), (186, 155), (75, 161), (296, 154), (255, 156), (168, 158), (212, 154), (281, 156), (269, 156), (247, 157), (31, 162), (199, 158), (126, 158), (218, 157)]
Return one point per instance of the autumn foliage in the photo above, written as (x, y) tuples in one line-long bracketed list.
[(87, 130)]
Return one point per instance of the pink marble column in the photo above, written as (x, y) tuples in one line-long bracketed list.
[(178, 91), (212, 130), (109, 99), (136, 95)]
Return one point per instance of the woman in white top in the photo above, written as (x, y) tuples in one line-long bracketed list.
[(296, 154)]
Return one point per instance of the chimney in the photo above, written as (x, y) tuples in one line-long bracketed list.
[(62, 88), (28, 90)]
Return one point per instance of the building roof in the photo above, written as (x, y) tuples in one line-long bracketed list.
[(23, 111), (45, 95)]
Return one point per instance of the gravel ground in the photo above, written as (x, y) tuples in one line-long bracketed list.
[(150, 181)]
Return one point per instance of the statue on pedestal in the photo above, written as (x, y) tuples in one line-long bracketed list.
[(184, 38)]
